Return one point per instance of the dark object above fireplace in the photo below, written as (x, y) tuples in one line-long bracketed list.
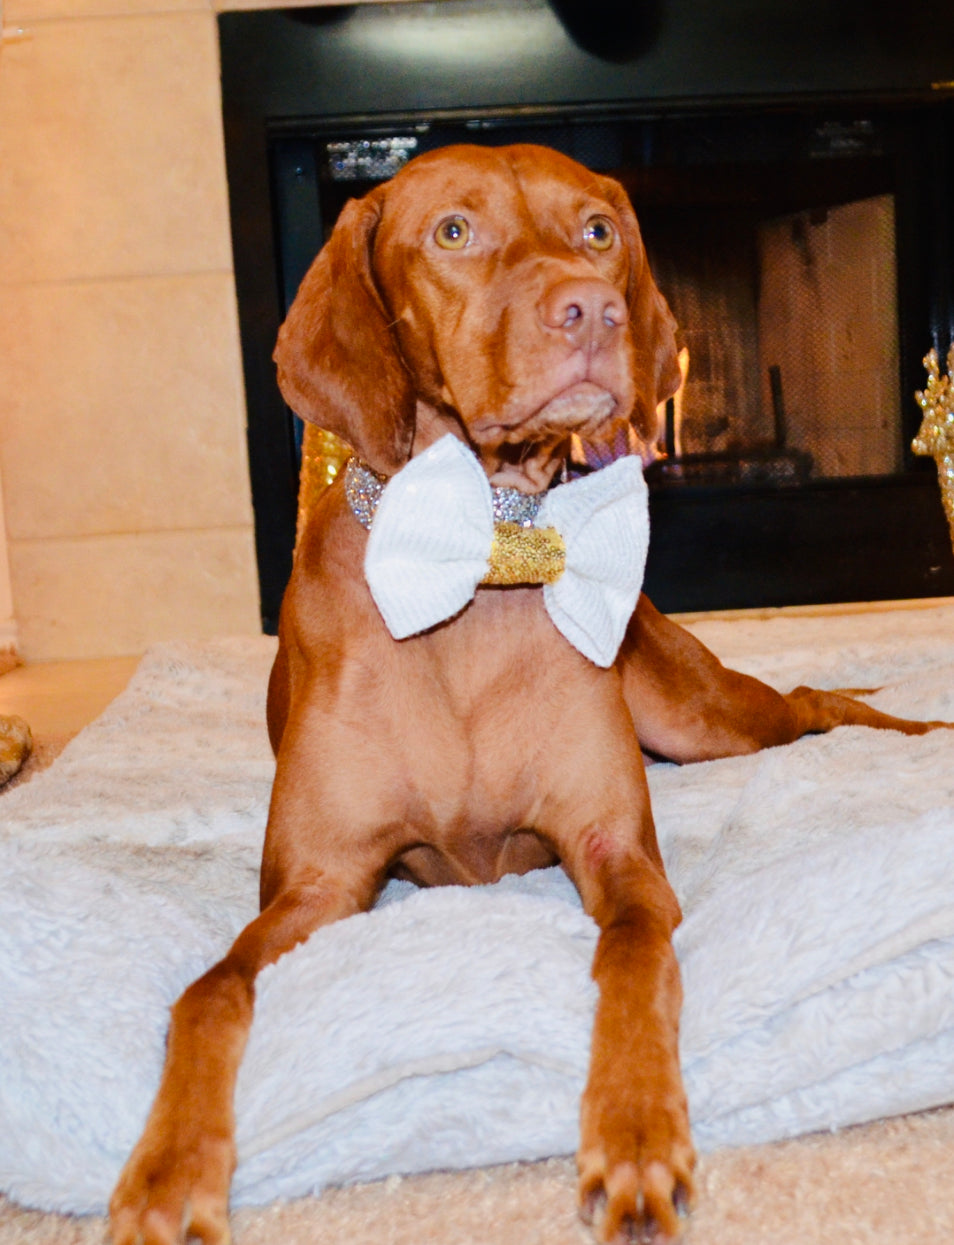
[(792, 166)]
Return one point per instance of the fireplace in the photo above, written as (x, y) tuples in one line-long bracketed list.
[(792, 167)]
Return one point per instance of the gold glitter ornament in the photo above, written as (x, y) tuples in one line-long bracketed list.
[(525, 555), (935, 437)]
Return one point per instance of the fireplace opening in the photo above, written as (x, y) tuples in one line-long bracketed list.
[(803, 242), (788, 326)]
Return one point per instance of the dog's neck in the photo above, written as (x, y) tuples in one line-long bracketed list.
[(364, 486), (525, 468)]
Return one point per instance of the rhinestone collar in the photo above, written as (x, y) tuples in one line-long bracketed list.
[(363, 488)]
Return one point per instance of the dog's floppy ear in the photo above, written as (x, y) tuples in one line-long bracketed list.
[(338, 362), (653, 324)]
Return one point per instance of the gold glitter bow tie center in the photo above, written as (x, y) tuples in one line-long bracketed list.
[(525, 555)]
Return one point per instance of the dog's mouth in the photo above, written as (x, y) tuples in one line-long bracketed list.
[(584, 407), (525, 452)]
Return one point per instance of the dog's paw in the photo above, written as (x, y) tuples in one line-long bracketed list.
[(173, 1192), (635, 1181)]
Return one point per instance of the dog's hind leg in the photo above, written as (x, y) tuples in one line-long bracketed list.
[(687, 706)]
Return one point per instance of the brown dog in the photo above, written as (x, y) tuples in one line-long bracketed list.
[(501, 296)]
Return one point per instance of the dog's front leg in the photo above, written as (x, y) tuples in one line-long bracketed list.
[(175, 1184), (636, 1157)]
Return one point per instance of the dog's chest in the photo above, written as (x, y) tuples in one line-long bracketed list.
[(483, 719)]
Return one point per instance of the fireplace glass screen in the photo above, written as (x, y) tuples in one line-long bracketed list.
[(788, 335)]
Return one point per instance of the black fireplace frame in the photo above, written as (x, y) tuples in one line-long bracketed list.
[(291, 76)]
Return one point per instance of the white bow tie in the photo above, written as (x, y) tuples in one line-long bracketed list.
[(432, 528)]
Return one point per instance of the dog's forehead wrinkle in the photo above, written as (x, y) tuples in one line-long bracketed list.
[(566, 178), (426, 193)]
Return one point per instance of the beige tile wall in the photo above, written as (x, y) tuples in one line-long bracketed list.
[(122, 448), (9, 633), (123, 462)]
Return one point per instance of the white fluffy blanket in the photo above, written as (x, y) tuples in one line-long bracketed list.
[(449, 1028)]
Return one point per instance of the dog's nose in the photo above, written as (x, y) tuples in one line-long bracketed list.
[(589, 312)]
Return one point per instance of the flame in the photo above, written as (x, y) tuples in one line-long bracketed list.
[(660, 450)]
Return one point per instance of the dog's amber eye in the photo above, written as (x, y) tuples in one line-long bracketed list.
[(452, 234), (599, 233)]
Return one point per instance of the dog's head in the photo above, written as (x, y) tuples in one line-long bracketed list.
[(500, 293)]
